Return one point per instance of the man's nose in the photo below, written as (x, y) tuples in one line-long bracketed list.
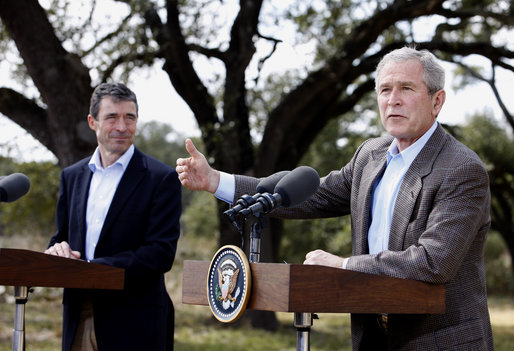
[(120, 124), (394, 97)]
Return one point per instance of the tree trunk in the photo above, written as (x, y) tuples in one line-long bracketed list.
[(60, 77)]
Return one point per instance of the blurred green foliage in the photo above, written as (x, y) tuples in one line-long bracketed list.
[(33, 212), (498, 266)]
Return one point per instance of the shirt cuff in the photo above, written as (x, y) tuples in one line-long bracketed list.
[(226, 187), (345, 262)]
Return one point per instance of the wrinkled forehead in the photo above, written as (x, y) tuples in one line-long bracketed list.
[(113, 105), (401, 72)]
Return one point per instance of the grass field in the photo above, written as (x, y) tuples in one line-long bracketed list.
[(196, 329)]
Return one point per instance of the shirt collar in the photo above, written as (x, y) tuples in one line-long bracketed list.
[(96, 164), (410, 153)]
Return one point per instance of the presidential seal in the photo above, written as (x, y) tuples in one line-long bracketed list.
[(228, 283)]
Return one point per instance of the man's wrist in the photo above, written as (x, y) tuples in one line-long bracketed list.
[(215, 182)]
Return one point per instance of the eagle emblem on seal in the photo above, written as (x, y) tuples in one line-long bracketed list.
[(227, 282)]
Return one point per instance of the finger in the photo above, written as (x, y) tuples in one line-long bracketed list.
[(182, 176), (65, 246), (181, 162), (309, 257), (313, 254), (61, 250), (307, 261)]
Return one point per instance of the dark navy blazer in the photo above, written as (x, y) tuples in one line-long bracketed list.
[(140, 234)]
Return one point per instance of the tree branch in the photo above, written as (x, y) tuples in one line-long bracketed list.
[(207, 52), (265, 58), (506, 18), (26, 113), (108, 36), (492, 84), (179, 66), (60, 77)]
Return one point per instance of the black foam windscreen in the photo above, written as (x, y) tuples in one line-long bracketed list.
[(13, 186), (297, 186), (268, 184)]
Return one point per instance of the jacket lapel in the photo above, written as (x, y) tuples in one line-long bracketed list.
[(411, 187), (372, 170), (82, 191), (128, 184)]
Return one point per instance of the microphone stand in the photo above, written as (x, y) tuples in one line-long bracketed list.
[(303, 324), (21, 294), (302, 320), (255, 241)]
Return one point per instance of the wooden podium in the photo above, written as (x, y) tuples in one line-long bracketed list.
[(24, 269), (307, 289)]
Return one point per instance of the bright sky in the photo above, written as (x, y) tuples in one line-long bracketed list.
[(158, 100)]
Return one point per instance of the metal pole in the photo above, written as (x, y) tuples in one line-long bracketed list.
[(21, 294), (255, 241), (303, 323)]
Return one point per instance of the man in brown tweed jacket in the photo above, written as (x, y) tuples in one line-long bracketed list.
[(419, 203)]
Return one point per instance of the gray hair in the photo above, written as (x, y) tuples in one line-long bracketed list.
[(433, 72), (117, 91)]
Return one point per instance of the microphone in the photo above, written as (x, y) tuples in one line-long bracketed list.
[(13, 186), (294, 188), (266, 185)]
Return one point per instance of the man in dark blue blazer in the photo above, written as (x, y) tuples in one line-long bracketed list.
[(121, 208)]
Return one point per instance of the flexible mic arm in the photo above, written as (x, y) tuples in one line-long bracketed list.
[(267, 203), (243, 202)]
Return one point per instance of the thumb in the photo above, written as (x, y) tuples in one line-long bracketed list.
[(191, 149)]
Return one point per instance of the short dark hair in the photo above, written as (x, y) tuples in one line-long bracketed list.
[(117, 91)]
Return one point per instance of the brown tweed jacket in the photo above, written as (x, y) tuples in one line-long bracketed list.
[(438, 232)]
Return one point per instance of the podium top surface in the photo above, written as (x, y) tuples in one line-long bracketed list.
[(19, 267), (311, 288)]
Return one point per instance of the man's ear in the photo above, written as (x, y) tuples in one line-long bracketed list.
[(438, 101), (91, 122)]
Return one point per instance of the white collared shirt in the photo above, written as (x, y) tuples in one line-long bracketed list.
[(101, 192)]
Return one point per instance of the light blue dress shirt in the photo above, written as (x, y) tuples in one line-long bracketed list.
[(101, 191), (386, 190)]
